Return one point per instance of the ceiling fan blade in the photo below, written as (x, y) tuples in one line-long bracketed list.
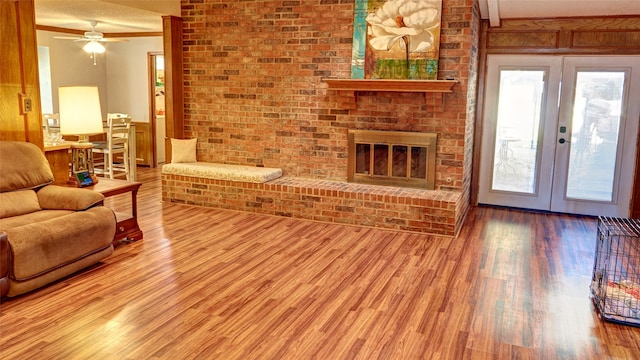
[(113, 40), (67, 37)]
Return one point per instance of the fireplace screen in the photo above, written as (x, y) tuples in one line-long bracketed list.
[(392, 158)]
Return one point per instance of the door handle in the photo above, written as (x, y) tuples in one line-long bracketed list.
[(562, 141)]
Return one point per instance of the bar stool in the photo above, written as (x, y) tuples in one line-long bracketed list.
[(118, 127)]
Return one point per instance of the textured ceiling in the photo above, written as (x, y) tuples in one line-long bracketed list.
[(113, 16), (495, 10)]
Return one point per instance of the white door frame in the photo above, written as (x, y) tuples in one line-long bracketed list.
[(496, 63), (628, 136), (549, 189)]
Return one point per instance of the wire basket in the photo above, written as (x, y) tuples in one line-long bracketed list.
[(615, 285)]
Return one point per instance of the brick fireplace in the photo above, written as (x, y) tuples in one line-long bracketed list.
[(255, 93)]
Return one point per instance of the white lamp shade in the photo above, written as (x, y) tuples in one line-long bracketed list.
[(93, 47), (80, 112)]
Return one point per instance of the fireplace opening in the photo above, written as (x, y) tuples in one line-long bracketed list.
[(393, 158)]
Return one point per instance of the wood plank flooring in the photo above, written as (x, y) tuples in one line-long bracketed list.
[(213, 284)]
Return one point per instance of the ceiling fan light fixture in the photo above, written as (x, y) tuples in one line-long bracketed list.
[(93, 47)]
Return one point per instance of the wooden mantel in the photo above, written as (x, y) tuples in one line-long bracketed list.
[(424, 86)]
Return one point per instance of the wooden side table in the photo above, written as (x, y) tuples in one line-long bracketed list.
[(59, 157), (127, 228)]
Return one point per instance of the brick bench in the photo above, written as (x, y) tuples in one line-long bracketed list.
[(418, 210)]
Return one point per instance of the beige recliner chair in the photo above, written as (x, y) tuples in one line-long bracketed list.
[(46, 231)]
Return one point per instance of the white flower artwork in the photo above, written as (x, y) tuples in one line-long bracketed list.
[(407, 23), (402, 39)]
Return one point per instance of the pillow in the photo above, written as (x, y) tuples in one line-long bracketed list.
[(18, 203), (183, 151)]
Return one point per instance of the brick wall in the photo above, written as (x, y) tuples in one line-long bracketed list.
[(255, 95)]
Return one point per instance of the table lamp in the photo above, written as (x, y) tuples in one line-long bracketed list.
[(80, 112), (80, 115)]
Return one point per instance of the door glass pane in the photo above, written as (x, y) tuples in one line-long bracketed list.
[(517, 131), (594, 134)]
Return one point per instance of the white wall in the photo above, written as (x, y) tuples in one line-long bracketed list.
[(120, 73), (44, 72), (71, 66), (128, 76)]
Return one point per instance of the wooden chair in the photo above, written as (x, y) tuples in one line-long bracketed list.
[(51, 128), (117, 129)]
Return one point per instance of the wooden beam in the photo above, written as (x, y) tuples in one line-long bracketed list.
[(106, 35), (174, 96), (494, 13)]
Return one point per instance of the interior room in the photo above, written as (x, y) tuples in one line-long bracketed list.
[(274, 179), (132, 49)]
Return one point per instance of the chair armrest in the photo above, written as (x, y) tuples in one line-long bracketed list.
[(54, 197), (4, 264)]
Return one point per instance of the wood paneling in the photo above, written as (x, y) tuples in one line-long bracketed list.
[(216, 284), (143, 144), (518, 39), (19, 74), (606, 39), (635, 198), (610, 35), (10, 76)]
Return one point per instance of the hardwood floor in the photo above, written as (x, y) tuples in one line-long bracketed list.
[(213, 284)]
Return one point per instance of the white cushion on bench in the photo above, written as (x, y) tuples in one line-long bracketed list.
[(206, 170)]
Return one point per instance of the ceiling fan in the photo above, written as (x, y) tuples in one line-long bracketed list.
[(93, 39)]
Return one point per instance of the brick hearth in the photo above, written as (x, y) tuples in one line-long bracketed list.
[(427, 211)]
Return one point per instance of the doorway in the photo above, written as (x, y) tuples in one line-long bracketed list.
[(157, 105), (560, 133)]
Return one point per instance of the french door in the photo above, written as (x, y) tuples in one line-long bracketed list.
[(560, 133)]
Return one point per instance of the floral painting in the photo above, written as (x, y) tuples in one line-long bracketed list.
[(396, 39)]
